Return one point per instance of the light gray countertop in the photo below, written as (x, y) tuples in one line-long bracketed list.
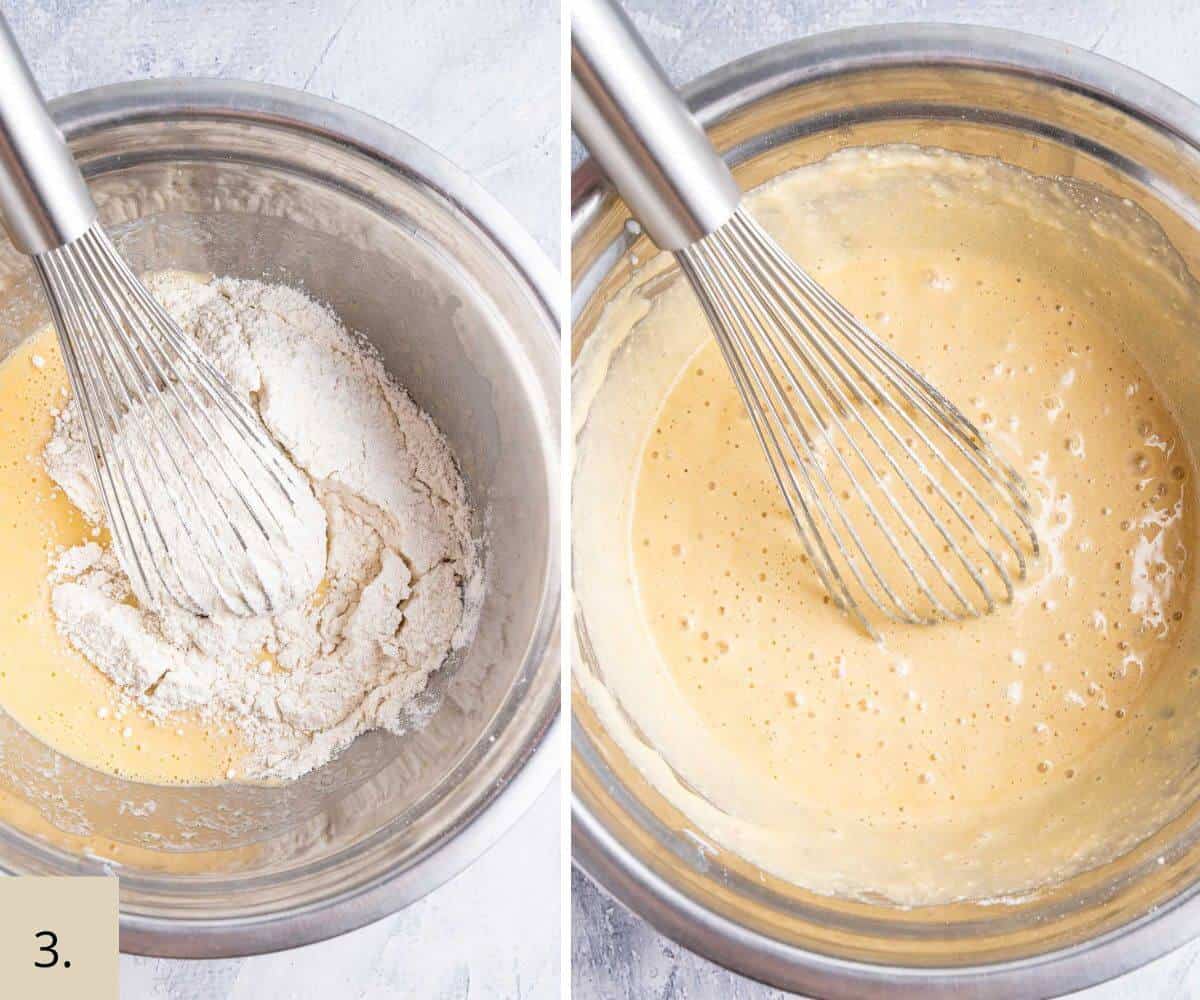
[(478, 81), (617, 956)]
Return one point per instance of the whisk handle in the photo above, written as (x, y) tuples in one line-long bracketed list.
[(640, 131), (43, 197)]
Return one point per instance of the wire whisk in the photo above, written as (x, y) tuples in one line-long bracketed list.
[(899, 499), (206, 512), (904, 508), (205, 509)]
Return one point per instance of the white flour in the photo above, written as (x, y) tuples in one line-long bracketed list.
[(402, 583), (261, 542)]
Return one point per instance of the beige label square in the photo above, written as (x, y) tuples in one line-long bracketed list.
[(68, 926)]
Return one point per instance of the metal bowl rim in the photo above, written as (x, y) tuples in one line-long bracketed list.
[(595, 849), (533, 769)]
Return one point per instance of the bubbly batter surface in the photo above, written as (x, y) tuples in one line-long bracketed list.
[(966, 760)]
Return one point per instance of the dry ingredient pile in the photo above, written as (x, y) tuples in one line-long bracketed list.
[(401, 580)]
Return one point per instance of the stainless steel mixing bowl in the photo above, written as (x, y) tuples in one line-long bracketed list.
[(1054, 110), (258, 181)]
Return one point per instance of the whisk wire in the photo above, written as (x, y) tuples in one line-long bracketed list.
[(820, 388), (65, 313), (153, 337), (767, 395), (112, 387), (227, 403), (917, 392), (144, 365), (805, 319), (722, 319), (1004, 486), (189, 479), (822, 381)]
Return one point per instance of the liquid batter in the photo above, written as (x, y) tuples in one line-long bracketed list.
[(44, 683), (963, 761)]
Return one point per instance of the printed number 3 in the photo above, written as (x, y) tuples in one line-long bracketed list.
[(49, 948)]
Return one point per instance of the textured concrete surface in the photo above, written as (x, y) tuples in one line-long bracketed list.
[(616, 956), (475, 79), (490, 934), (478, 81)]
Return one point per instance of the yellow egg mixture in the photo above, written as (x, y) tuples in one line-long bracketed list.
[(962, 760), (46, 685)]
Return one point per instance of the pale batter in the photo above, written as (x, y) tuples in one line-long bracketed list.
[(967, 760)]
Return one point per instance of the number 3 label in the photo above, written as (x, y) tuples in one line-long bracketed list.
[(49, 949), (58, 937)]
